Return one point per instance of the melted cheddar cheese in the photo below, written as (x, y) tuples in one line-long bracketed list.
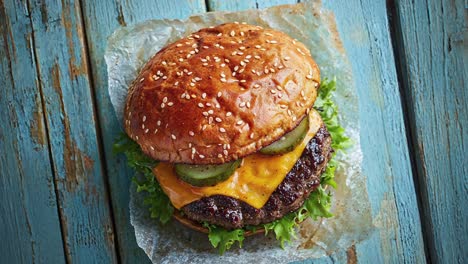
[(253, 182)]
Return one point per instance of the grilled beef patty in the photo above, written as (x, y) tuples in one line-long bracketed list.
[(303, 178)]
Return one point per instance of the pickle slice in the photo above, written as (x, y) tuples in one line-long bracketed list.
[(289, 141), (206, 175)]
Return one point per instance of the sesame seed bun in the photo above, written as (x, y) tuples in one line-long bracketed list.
[(220, 94)]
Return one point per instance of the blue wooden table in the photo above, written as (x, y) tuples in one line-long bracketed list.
[(64, 196)]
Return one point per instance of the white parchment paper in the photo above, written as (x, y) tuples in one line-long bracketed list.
[(129, 48)]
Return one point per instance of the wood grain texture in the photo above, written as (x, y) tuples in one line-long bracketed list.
[(29, 221), (101, 19), (233, 5), (433, 50), (63, 72), (386, 162)]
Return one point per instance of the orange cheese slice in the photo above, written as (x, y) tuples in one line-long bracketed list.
[(253, 182)]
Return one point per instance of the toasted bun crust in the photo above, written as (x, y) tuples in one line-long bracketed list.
[(220, 94)]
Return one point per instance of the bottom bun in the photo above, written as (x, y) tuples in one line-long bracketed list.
[(198, 227)]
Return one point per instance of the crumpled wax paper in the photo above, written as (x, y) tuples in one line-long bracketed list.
[(130, 47)]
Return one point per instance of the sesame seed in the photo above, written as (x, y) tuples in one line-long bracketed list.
[(158, 123), (272, 91), (234, 53), (309, 77), (211, 111), (155, 77), (223, 64), (151, 147), (298, 49), (136, 137), (279, 87), (242, 81), (220, 155), (203, 95), (251, 136), (155, 131), (223, 75), (179, 45), (240, 122), (192, 84), (143, 126), (170, 104), (210, 120), (232, 33), (218, 106), (258, 46), (219, 94), (283, 106), (203, 127), (205, 64), (242, 104), (189, 73), (146, 131), (164, 63), (273, 41), (228, 114), (164, 77), (165, 99), (217, 119), (181, 59), (248, 56), (242, 48), (194, 150), (266, 71), (225, 152), (208, 104), (269, 34), (294, 118), (176, 83), (248, 104), (220, 34), (173, 136), (205, 113), (222, 130), (223, 80), (194, 96), (191, 133), (302, 93), (205, 47), (256, 85), (144, 118), (142, 79), (287, 58), (163, 105)]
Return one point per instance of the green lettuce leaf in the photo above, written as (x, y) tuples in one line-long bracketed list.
[(222, 238), (158, 203)]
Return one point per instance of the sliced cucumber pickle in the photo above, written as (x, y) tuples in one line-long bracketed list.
[(206, 175), (289, 141)]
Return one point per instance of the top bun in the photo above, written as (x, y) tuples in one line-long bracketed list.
[(220, 94)]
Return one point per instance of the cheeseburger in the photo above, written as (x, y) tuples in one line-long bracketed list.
[(228, 114)]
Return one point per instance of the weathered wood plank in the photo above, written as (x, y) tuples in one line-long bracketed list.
[(29, 221), (366, 38), (433, 54), (63, 72), (233, 5), (101, 19), (386, 161)]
